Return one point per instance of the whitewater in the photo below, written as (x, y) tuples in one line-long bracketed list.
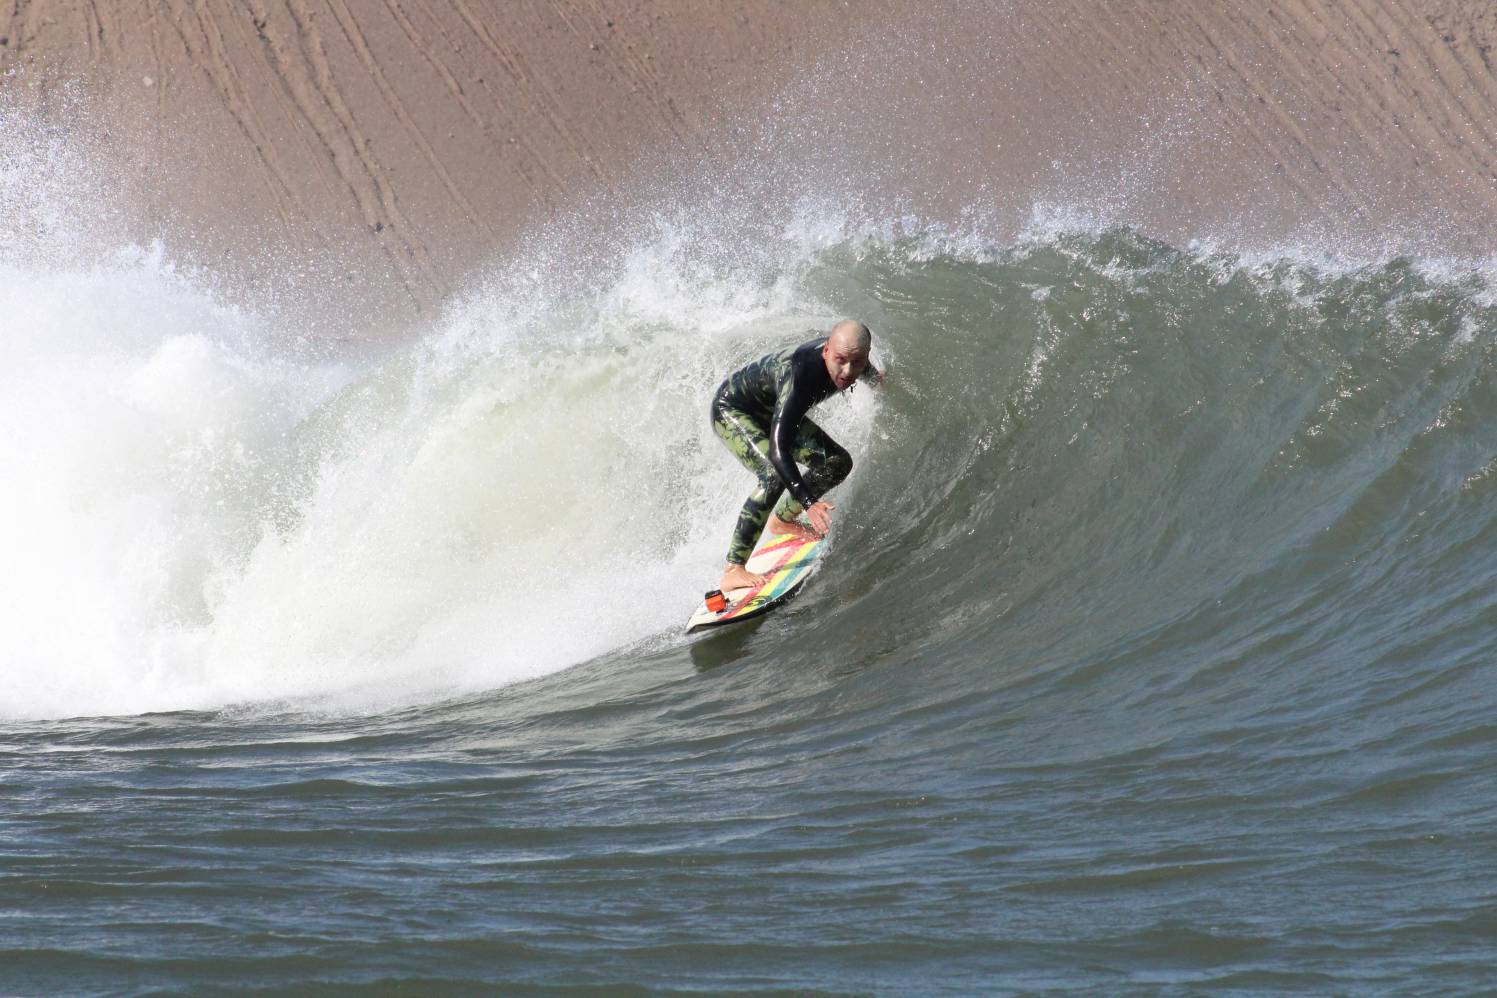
[(1151, 653)]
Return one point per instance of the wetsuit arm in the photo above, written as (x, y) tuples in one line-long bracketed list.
[(871, 374), (790, 408)]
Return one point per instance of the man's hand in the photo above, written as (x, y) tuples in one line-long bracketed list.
[(820, 515)]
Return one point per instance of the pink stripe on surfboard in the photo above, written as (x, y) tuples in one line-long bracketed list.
[(789, 541)]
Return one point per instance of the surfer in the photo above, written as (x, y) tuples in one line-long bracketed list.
[(760, 414)]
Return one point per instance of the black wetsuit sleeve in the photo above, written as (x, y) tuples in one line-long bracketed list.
[(797, 396)]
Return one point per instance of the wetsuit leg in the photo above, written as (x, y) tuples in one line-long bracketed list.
[(749, 443), (826, 461)]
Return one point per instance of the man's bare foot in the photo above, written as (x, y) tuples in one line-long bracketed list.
[(793, 527), (738, 577)]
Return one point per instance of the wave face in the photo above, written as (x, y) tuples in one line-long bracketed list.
[(1149, 653)]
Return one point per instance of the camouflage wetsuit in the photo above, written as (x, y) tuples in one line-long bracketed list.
[(760, 413)]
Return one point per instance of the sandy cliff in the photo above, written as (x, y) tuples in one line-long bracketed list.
[(395, 146)]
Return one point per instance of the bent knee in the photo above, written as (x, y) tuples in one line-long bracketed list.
[(770, 488)]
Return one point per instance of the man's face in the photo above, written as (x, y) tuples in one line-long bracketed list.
[(844, 362)]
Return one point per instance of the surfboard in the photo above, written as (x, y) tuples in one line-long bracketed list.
[(786, 559)]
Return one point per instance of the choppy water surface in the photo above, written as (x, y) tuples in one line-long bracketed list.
[(1152, 653)]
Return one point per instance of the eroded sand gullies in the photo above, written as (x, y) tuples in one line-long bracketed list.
[(393, 148)]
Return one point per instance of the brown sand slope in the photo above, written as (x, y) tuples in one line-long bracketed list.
[(405, 142), (417, 134)]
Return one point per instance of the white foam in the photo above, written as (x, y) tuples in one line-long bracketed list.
[(195, 518), (136, 451)]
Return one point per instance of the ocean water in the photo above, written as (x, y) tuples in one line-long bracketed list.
[(1151, 655)]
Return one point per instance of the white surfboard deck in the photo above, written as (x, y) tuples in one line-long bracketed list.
[(787, 560)]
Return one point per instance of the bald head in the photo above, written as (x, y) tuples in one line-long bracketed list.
[(850, 336), (846, 352)]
